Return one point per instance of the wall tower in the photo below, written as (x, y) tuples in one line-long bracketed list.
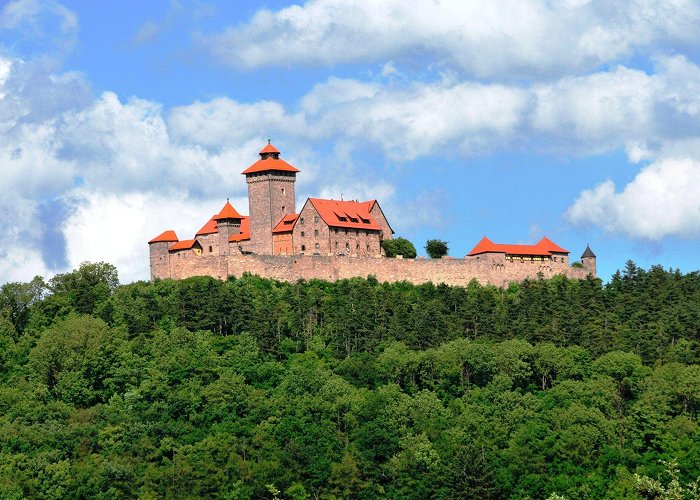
[(270, 196), (228, 221), (588, 259), (158, 249)]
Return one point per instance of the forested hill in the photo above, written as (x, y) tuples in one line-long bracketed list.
[(251, 388)]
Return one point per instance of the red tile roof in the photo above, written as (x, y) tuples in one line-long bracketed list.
[(165, 236), (267, 164), (228, 212), (209, 227), (244, 235), (545, 248), (184, 245), (549, 245), (286, 224), (337, 213), (269, 148)]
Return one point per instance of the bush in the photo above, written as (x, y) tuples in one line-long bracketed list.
[(399, 246), (436, 248)]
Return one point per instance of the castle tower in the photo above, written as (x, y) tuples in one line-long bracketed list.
[(228, 221), (270, 196), (160, 257), (588, 259)]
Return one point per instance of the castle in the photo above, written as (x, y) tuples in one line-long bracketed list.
[(334, 239)]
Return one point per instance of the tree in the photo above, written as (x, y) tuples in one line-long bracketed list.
[(399, 246), (436, 248)]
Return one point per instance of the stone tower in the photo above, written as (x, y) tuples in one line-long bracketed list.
[(160, 256), (588, 259), (228, 221), (270, 196)]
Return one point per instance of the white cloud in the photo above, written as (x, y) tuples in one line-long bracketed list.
[(510, 37), (661, 201), (45, 24), (409, 123), (115, 228)]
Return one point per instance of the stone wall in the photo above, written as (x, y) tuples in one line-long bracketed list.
[(492, 268)]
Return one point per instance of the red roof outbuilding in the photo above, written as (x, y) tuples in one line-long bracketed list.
[(544, 248)]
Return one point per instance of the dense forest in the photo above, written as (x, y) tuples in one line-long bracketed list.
[(252, 388)]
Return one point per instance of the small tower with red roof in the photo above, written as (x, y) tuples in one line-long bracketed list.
[(228, 222), (158, 249), (270, 196)]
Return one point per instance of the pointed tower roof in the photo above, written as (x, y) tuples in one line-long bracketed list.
[(228, 212), (165, 236), (269, 148), (587, 252), (270, 160)]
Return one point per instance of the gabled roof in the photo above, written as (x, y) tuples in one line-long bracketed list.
[(337, 213), (184, 245), (244, 235), (545, 248), (208, 228), (286, 224), (587, 252), (228, 212), (165, 236), (550, 246)]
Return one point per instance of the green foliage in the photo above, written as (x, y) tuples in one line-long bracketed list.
[(436, 248), (399, 246), (250, 388)]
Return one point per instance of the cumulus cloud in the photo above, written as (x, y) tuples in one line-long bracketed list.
[(487, 39), (409, 123), (661, 201), (115, 227)]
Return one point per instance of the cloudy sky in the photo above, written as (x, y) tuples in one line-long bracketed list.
[(574, 119)]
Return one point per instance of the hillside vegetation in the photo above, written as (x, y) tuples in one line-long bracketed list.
[(251, 388)]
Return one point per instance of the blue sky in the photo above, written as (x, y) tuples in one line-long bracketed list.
[(578, 120)]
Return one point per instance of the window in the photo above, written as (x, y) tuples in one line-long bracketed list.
[(316, 218), (353, 219), (284, 209), (282, 190), (336, 245), (303, 248), (317, 246), (302, 234), (368, 248), (210, 250), (316, 232), (342, 219), (301, 220), (347, 246), (357, 247)]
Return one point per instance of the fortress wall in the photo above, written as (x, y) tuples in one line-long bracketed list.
[(187, 264), (493, 269)]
